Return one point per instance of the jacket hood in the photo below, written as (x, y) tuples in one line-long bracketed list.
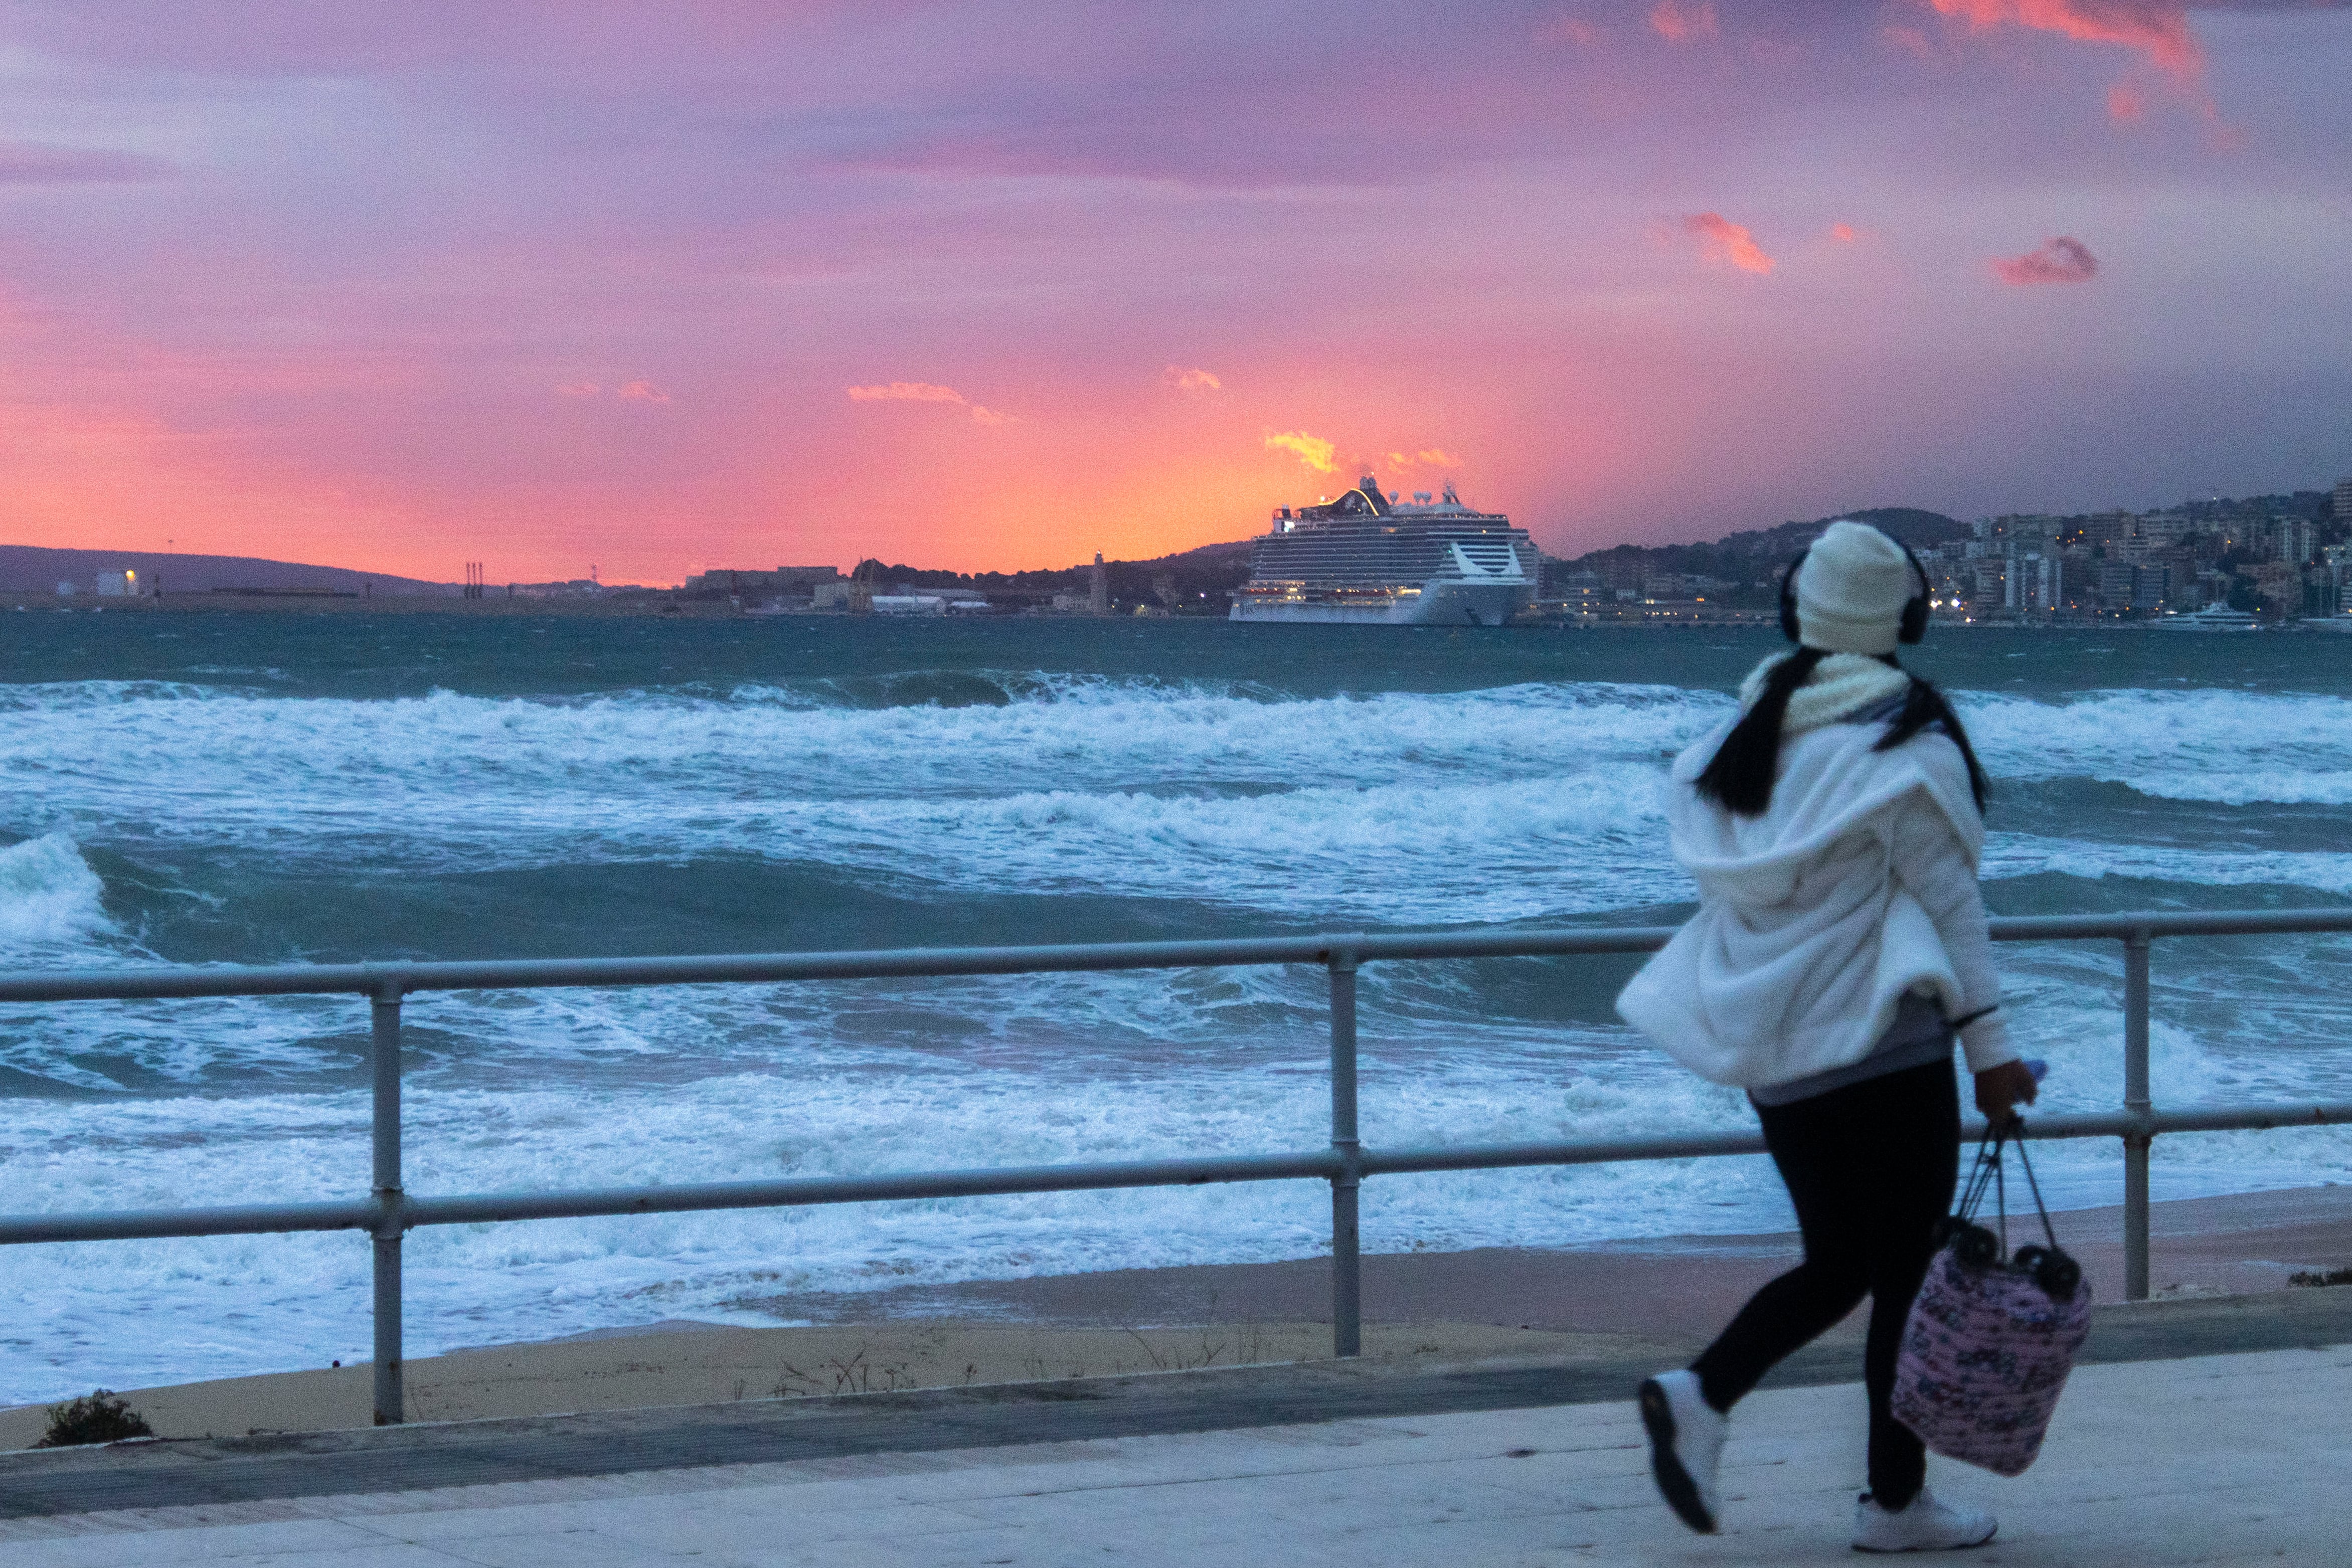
[(1832, 783)]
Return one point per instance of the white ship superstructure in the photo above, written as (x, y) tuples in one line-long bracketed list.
[(1368, 559), (2212, 618)]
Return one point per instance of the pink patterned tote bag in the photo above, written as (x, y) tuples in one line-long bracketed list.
[(1991, 1337)]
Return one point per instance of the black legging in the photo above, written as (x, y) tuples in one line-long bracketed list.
[(1871, 1168)]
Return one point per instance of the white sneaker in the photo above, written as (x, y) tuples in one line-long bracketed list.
[(1926, 1525), (1685, 1447)]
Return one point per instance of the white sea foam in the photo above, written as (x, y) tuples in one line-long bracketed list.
[(1400, 806), (49, 899), (2234, 748), (2023, 854)]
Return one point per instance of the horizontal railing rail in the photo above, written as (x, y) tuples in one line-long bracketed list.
[(389, 1212), (141, 982)]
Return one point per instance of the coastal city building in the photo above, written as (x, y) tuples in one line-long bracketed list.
[(2265, 559), (757, 586)]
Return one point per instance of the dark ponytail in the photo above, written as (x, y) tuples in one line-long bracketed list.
[(1923, 708), (1740, 775)]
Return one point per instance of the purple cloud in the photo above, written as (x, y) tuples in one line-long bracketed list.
[(35, 163), (2058, 260)]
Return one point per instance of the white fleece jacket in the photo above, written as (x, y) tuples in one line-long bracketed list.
[(1858, 883)]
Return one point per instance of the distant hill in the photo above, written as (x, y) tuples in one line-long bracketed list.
[(1755, 555), (1197, 581), (1206, 558), (30, 569)]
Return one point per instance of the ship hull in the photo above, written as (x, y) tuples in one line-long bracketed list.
[(1442, 602)]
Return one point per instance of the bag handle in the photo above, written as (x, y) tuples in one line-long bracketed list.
[(2034, 1186), (1990, 1175)]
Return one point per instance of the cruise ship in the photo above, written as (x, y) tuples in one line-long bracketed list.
[(1369, 559)]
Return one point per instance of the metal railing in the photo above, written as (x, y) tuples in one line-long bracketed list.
[(390, 1211)]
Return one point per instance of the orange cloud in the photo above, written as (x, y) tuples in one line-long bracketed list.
[(1724, 240), (1671, 22), (1844, 233), (1573, 30), (2059, 260), (2156, 30), (627, 392), (1435, 457), (1312, 450), (905, 392), (924, 391), (1191, 380), (2159, 29)]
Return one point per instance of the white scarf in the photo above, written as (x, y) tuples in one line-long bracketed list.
[(1840, 684)]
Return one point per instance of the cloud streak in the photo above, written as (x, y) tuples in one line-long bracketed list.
[(2060, 260), (2158, 30), (1191, 380), (905, 392), (923, 391), (1720, 239), (36, 163)]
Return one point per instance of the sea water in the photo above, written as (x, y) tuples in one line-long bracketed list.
[(282, 786)]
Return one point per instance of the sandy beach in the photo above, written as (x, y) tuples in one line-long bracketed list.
[(1673, 1289), (699, 1363), (1661, 1296)]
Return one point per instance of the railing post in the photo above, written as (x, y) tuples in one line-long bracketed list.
[(2136, 1103), (390, 1401), (1347, 1264)]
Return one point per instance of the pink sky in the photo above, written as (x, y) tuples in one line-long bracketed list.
[(662, 287)]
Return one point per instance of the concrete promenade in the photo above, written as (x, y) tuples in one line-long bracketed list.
[(2206, 1458)]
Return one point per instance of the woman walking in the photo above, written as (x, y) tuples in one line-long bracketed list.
[(1833, 830)]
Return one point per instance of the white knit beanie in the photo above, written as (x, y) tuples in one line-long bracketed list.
[(1851, 588)]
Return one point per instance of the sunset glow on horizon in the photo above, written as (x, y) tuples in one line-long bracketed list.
[(997, 286)]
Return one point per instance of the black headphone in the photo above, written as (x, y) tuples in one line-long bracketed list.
[(1912, 628)]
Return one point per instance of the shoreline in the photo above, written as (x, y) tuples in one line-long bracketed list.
[(660, 604), (1660, 1298)]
